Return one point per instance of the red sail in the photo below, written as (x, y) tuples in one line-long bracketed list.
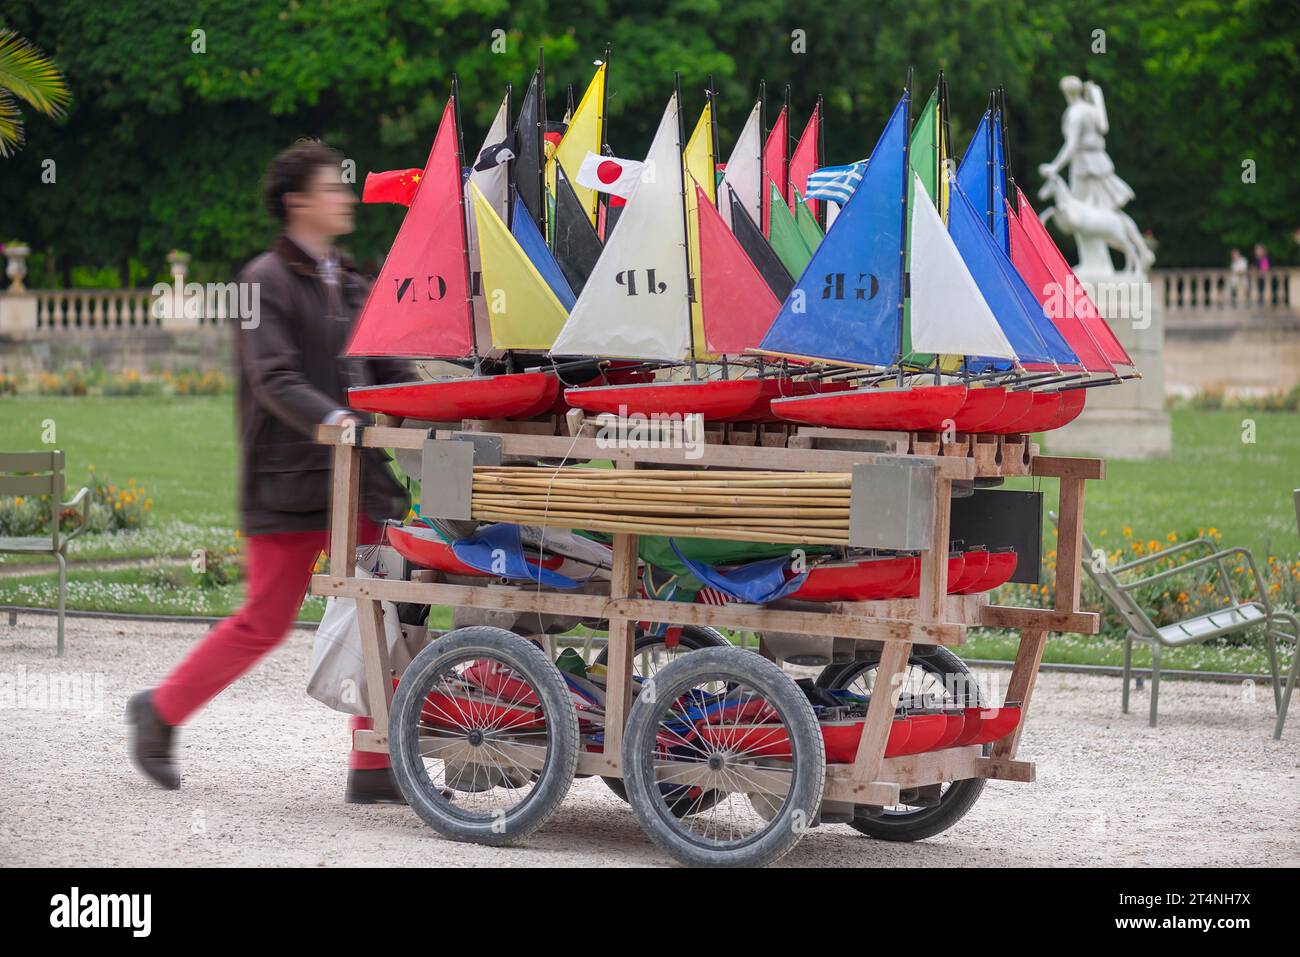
[(420, 307), (1043, 285), (805, 160), (774, 167), (1068, 283), (738, 305)]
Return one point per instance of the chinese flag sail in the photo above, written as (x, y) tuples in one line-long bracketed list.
[(419, 307)]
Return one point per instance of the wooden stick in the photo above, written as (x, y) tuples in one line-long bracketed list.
[(734, 535)]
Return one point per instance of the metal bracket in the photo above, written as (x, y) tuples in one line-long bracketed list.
[(447, 472), (891, 504)]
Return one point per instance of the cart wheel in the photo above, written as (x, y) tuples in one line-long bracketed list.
[(939, 673), (482, 714), (652, 653), (759, 735)]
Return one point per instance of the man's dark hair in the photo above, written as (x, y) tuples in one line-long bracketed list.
[(291, 172)]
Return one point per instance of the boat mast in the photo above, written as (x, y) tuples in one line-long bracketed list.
[(820, 112), (988, 163), (713, 141), (604, 104), (543, 212), (464, 225), (902, 251), (510, 163), (1008, 177), (785, 157), (686, 247), (762, 156)]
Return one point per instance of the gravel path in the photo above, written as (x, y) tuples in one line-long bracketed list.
[(264, 770)]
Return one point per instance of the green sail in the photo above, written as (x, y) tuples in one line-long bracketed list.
[(807, 223), (923, 155), (787, 239)]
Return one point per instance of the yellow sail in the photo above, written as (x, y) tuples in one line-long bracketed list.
[(698, 166), (522, 310), (585, 133)]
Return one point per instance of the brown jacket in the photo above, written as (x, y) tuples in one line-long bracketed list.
[(292, 375)]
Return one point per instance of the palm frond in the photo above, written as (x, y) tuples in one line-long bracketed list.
[(30, 75), (11, 125)]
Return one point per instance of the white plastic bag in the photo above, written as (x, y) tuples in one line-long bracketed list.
[(337, 671)]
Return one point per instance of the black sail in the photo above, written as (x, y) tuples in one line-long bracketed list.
[(759, 250), (526, 170), (576, 246)]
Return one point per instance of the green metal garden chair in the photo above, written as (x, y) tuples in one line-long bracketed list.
[(1236, 616), (41, 473)]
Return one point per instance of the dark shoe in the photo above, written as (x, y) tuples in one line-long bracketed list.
[(373, 786), (151, 742)]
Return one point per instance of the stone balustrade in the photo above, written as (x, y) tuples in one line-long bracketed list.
[(1219, 293)]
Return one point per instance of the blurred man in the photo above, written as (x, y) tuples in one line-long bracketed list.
[(291, 379)]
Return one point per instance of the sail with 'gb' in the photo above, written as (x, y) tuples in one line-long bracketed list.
[(421, 306)]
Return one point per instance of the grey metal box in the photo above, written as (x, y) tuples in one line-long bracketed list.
[(891, 504)]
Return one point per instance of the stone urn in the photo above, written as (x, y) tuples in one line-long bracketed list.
[(179, 262), (16, 265)]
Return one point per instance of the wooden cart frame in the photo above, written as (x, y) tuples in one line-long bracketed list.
[(935, 618)]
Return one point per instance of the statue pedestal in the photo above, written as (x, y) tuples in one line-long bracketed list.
[(1125, 421)]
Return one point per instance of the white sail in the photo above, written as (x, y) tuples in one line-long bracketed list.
[(636, 303), (494, 183), (743, 175), (949, 313)]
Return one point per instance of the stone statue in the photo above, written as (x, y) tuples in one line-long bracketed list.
[(1089, 208)]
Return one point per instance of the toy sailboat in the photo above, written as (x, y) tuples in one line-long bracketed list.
[(421, 306), (953, 304)]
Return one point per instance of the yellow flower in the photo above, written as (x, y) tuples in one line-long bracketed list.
[(19, 500), (1171, 537), (117, 507), (1214, 532), (1128, 531), (1182, 596)]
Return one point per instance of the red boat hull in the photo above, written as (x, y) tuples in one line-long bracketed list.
[(1001, 566), (981, 407), (974, 564), (779, 387), (1015, 408), (866, 580), (918, 409), (450, 400), (715, 399)]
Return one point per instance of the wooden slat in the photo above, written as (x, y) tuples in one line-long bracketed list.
[(1003, 616), (374, 650), (29, 461), (934, 561), (622, 640), (735, 616), (880, 712), (13, 485), (1056, 466), (1069, 543), (1024, 675), (346, 491), (586, 449)]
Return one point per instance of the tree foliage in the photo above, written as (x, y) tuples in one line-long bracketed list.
[(170, 130)]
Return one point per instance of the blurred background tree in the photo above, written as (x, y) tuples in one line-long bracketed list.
[(171, 127)]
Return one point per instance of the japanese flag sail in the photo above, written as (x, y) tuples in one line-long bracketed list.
[(743, 175), (949, 313), (609, 174), (636, 303)]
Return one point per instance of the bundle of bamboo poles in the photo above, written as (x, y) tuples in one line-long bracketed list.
[(798, 508)]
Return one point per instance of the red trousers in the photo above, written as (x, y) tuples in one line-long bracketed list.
[(277, 573)]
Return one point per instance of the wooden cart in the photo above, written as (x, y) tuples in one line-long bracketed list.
[(895, 630)]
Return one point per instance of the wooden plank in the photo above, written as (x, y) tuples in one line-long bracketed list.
[(926, 443), (622, 640), (1024, 674), (544, 426), (1057, 466), (374, 652), (15, 485), (346, 490), (585, 449), (1002, 616), (841, 787), (880, 712), (932, 767), (1069, 545), (734, 616), (1013, 451), (27, 462), (1006, 770), (934, 560)]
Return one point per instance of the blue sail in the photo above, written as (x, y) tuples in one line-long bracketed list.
[(529, 238), (1001, 231), (983, 258), (974, 174), (845, 305)]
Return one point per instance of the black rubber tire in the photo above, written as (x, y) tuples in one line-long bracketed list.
[(694, 637), (551, 782), (960, 796), (808, 764)]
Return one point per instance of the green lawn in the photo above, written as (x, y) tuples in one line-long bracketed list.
[(182, 450)]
